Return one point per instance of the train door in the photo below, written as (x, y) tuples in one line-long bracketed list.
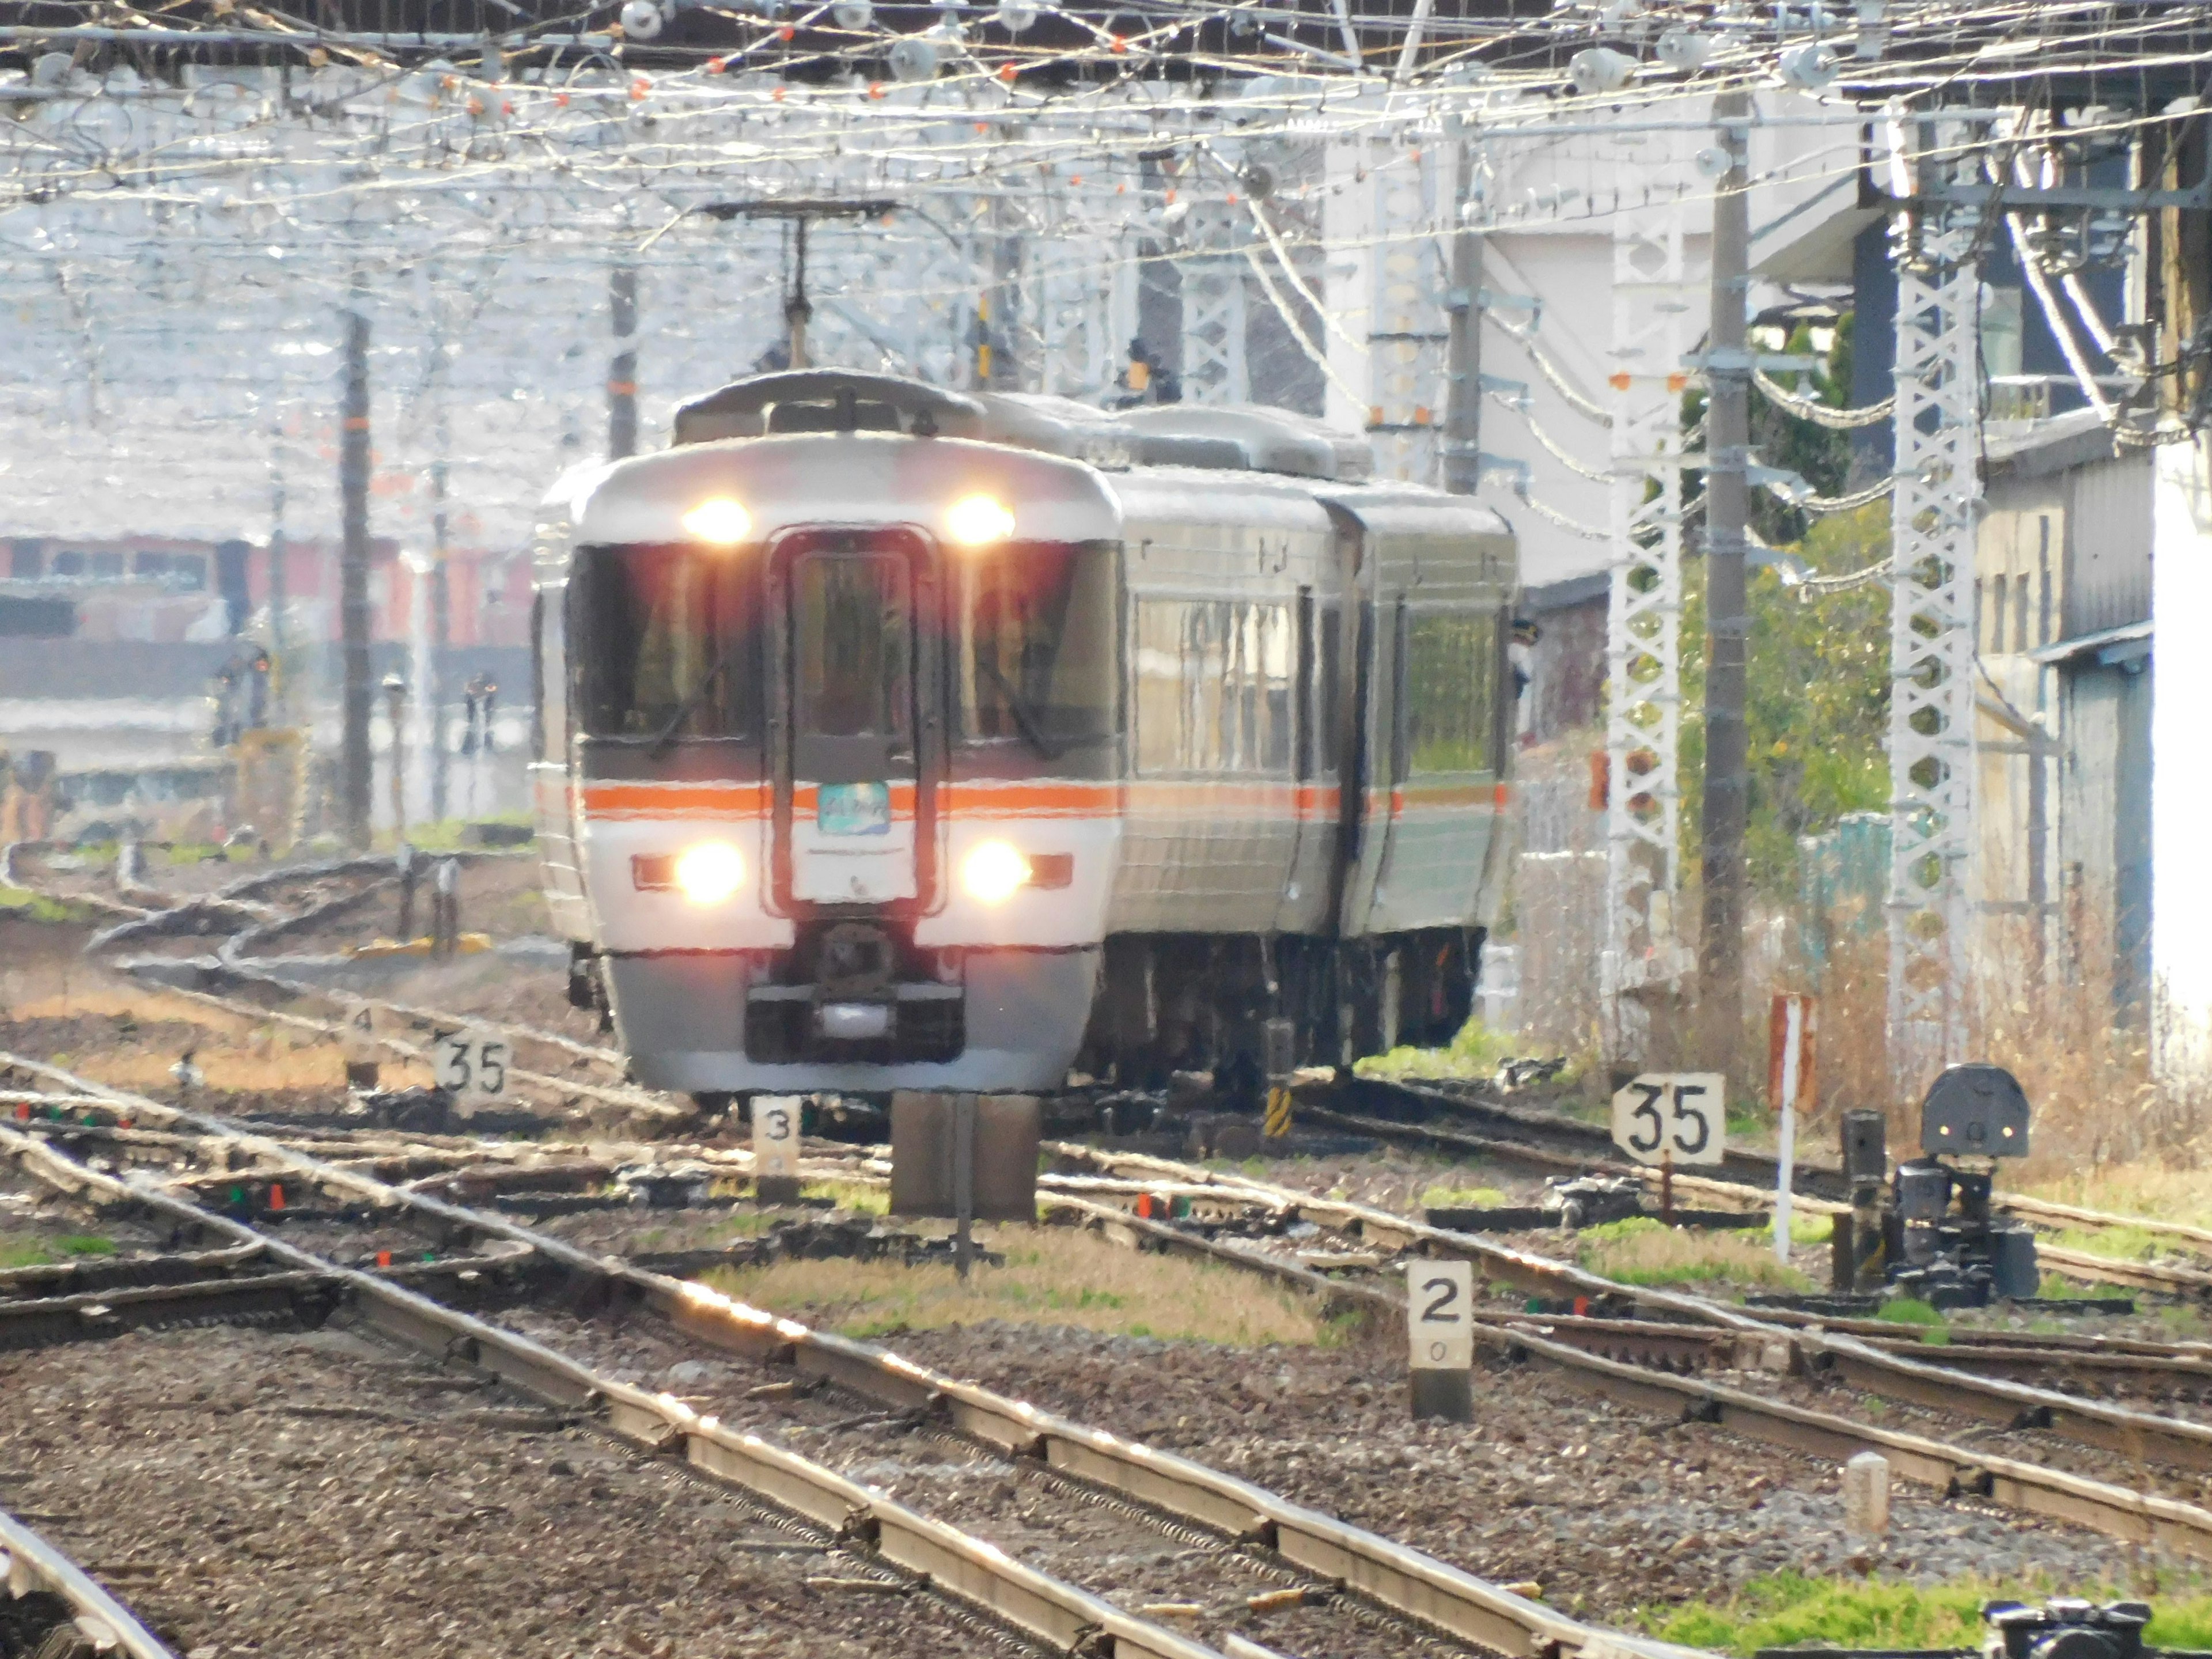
[(854, 810)]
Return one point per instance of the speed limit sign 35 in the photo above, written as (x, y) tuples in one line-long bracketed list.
[(1672, 1117), (471, 1066)]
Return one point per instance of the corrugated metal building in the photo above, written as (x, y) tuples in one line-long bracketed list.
[(2062, 626)]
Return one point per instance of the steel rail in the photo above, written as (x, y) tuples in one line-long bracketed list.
[(1392, 1575), (636, 1101), (227, 963), (2118, 1511), (29, 1564), (2080, 1264), (106, 1272), (2015, 1405), (949, 1561)]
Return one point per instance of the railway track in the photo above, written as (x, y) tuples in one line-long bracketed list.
[(58, 1608), (1653, 1364), (1405, 1114), (1337, 1588), (1686, 1329)]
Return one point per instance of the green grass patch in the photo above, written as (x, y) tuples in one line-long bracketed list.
[(1908, 1310), (850, 1195), (1645, 1251), (1464, 1198), (1790, 1608), (1476, 1051), (1050, 1276), (2115, 1244), (1811, 1228), (33, 1252), (36, 906)]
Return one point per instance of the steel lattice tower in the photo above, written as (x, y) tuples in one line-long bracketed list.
[(1931, 711), (1656, 311)]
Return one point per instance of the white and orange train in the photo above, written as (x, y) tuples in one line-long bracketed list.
[(890, 738)]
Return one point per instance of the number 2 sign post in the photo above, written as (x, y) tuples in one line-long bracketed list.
[(1667, 1118), (1440, 1322)]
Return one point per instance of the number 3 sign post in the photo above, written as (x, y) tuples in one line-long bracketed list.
[(1440, 1321), (1667, 1118), (775, 1148)]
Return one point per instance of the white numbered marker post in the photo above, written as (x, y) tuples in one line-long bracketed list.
[(1440, 1327), (358, 1047), (472, 1065), (775, 1148), (1667, 1118)]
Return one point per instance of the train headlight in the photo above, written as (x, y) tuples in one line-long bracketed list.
[(709, 872), (994, 871), (720, 520), (978, 521)]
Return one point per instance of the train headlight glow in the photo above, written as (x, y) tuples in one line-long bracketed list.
[(978, 521), (710, 871), (994, 871), (718, 519)]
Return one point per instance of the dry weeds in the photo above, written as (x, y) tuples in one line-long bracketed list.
[(1051, 1276)]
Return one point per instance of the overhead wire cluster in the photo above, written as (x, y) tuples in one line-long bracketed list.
[(189, 193)]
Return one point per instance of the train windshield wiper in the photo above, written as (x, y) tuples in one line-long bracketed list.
[(689, 706), (1026, 719)]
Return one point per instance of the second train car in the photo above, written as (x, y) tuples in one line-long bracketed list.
[(891, 737)]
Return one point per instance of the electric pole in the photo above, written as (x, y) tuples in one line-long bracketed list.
[(359, 691), (1463, 349), (433, 690), (279, 553), (1728, 441), (621, 372)]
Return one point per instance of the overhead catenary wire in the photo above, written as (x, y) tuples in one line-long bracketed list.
[(1602, 475), (1820, 414)]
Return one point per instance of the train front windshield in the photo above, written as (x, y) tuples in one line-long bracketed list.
[(668, 644), (1035, 665)]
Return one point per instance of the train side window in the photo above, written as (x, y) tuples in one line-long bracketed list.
[(1327, 745), (1450, 681), (538, 675), (1214, 682), (1306, 710)]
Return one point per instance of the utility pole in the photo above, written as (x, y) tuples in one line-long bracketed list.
[(798, 309), (1462, 458), (621, 372), (433, 690), (359, 691), (279, 546), (1728, 441)]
